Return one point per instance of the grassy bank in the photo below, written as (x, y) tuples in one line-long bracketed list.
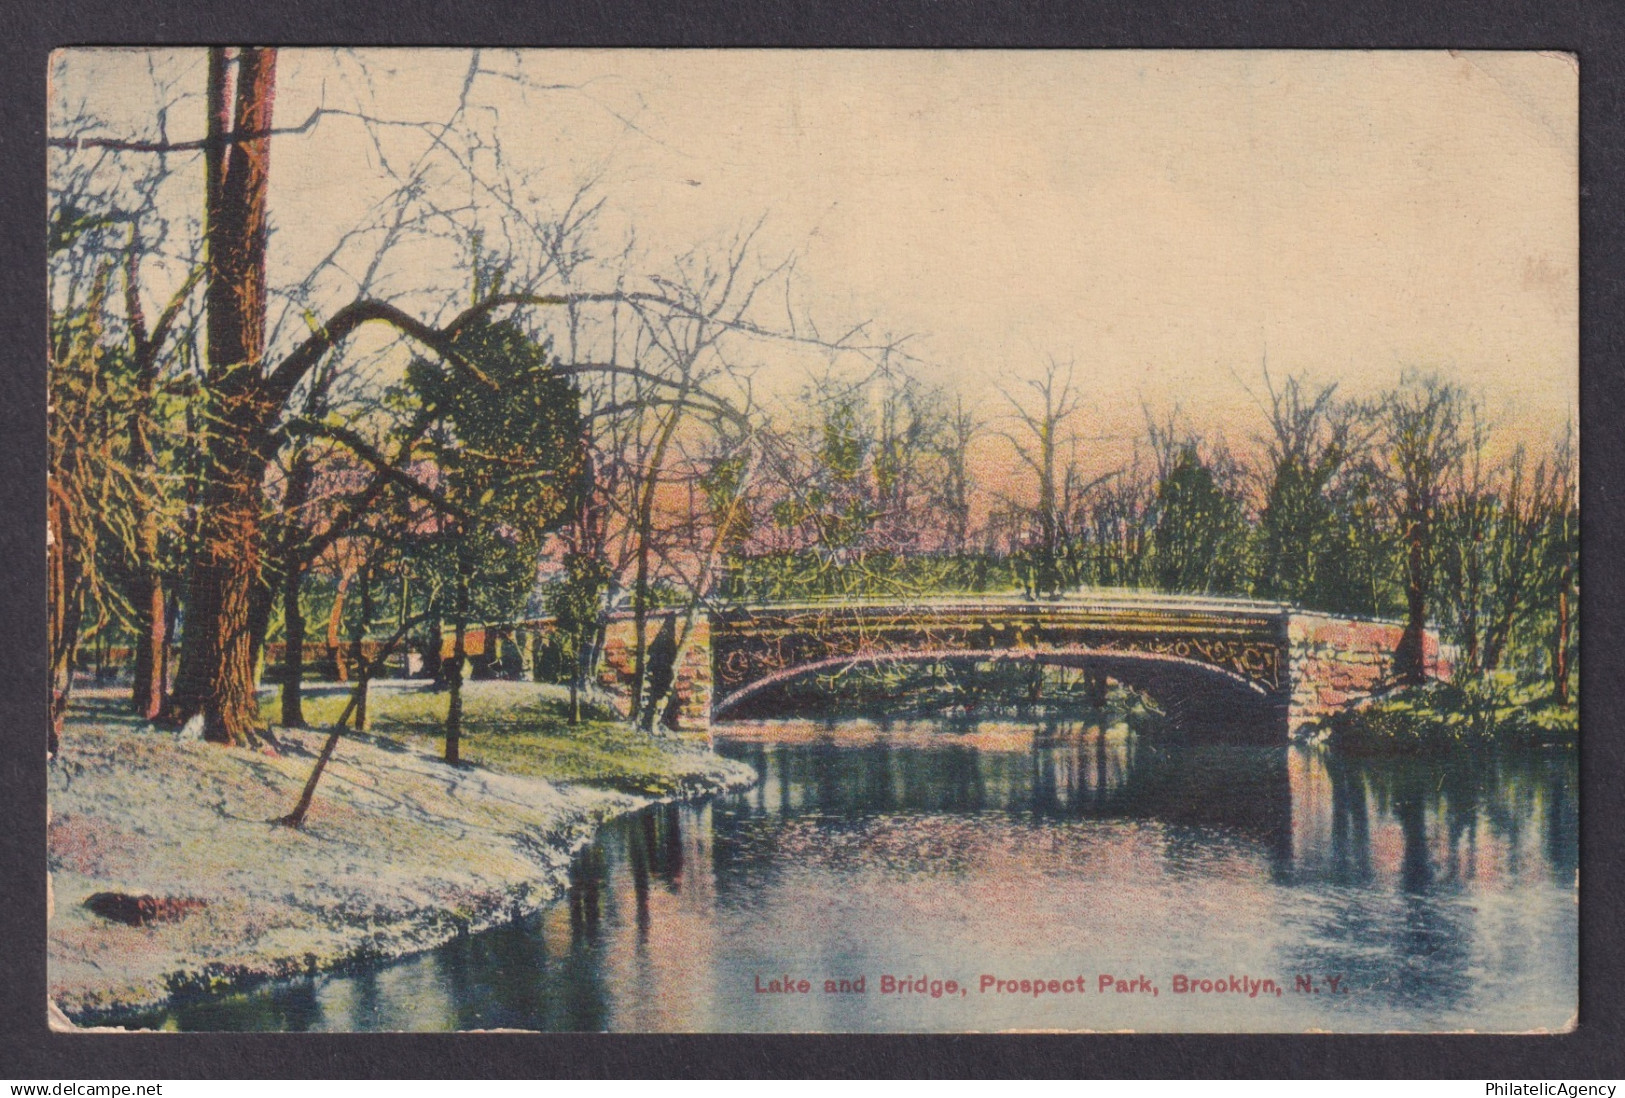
[(399, 852), (518, 728), (1439, 717)]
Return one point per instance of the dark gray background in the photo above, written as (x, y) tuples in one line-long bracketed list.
[(28, 32)]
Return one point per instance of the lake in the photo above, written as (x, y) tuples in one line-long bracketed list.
[(944, 875)]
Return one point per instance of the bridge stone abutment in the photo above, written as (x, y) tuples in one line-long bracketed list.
[(616, 671), (1335, 662)]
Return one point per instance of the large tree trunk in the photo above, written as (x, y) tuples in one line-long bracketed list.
[(217, 652), (217, 655), (148, 697)]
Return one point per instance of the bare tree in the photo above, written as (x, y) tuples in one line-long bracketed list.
[(1562, 553), (259, 397), (1469, 524), (957, 483), (78, 437), (1421, 440), (1038, 443), (1312, 438), (726, 479)]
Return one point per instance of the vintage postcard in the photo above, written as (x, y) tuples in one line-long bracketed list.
[(813, 541)]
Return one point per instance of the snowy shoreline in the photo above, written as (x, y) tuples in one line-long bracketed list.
[(399, 854)]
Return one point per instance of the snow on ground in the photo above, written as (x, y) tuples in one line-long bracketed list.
[(398, 854)]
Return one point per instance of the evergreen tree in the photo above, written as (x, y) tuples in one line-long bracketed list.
[(1199, 542), (508, 457)]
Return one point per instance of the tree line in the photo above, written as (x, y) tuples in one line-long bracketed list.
[(207, 463), (552, 426), (1403, 505)]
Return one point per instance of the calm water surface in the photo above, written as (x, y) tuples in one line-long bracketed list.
[(1376, 895)]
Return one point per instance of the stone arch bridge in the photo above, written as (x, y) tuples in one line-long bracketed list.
[(1251, 669)]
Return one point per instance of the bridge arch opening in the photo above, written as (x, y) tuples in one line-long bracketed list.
[(1195, 695)]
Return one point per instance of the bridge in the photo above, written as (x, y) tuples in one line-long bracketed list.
[(1254, 670)]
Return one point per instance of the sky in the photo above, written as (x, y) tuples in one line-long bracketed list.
[(1168, 221)]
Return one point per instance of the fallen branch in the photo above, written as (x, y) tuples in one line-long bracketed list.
[(296, 818)]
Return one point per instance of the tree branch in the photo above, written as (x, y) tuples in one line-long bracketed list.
[(366, 452)]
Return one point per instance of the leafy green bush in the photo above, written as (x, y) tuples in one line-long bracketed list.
[(1485, 711)]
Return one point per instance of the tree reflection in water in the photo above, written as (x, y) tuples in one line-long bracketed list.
[(1442, 890)]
